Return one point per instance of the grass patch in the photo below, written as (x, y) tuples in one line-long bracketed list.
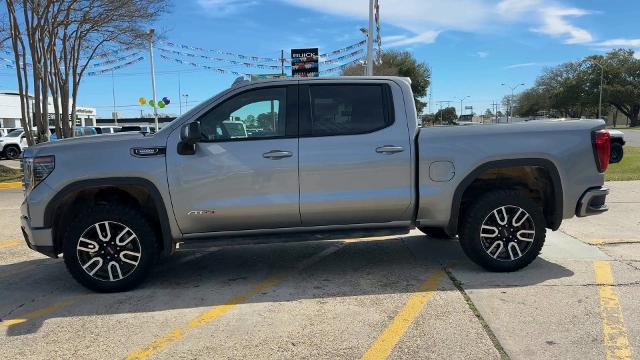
[(628, 168), (8, 174), (623, 127)]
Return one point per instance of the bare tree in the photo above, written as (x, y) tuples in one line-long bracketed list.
[(61, 38)]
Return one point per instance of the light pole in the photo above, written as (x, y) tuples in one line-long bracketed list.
[(461, 100), (513, 89), (601, 84), (153, 79)]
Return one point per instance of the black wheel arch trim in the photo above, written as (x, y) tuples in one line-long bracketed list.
[(550, 167), (163, 215)]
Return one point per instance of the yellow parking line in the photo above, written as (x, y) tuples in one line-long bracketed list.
[(11, 185), (215, 312), (16, 271), (385, 343), (10, 243), (39, 312), (616, 341)]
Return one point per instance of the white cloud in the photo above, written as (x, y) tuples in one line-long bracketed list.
[(427, 37), (225, 7), (482, 54), (555, 24), (517, 66), (620, 43), (424, 20)]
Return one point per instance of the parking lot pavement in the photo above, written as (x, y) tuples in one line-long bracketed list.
[(14, 164), (620, 224), (400, 298)]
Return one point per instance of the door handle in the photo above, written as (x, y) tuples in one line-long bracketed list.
[(277, 154), (389, 149)]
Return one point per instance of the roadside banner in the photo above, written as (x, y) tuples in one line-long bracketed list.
[(304, 62)]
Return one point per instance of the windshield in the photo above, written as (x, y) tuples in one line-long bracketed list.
[(15, 133)]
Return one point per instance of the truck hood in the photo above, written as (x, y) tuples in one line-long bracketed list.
[(96, 143)]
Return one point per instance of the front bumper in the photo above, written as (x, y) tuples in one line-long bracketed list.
[(592, 202), (38, 239)]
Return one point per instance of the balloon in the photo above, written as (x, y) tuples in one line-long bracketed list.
[(142, 101), (161, 104), (166, 100), (151, 103)]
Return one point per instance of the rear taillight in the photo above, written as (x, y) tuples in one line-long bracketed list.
[(602, 149)]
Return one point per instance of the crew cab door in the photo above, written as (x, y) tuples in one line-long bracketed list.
[(244, 173), (355, 154)]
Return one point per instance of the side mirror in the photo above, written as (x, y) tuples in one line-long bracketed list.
[(190, 133)]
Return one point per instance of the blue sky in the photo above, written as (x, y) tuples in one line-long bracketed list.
[(472, 46)]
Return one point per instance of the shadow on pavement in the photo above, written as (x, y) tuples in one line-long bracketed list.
[(208, 278)]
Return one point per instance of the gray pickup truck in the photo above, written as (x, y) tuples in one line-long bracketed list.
[(318, 158)]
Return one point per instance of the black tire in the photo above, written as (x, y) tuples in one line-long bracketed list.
[(479, 248), (617, 153), (12, 152), (435, 233), (117, 215)]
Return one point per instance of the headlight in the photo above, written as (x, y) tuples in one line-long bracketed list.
[(37, 169)]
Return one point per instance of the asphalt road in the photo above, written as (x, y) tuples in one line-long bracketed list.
[(404, 297), (632, 137)]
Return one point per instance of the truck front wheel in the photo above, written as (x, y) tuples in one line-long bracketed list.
[(503, 231), (109, 248)]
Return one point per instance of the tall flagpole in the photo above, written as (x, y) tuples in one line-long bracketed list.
[(370, 41)]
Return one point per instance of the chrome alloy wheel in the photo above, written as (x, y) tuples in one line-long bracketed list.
[(507, 233), (109, 251)]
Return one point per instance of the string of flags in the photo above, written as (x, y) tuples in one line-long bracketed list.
[(117, 67), (115, 60), (236, 73), (258, 66), (258, 58)]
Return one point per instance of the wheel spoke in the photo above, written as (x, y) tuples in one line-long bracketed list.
[(526, 235), (510, 247), (492, 234), (87, 245), (499, 246), (88, 264), (107, 232), (134, 255), (127, 240), (515, 220), (115, 265), (501, 212)]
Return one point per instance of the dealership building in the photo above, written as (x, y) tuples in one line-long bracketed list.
[(10, 113)]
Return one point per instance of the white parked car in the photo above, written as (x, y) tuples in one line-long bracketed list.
[(12, 145), (5, 131)]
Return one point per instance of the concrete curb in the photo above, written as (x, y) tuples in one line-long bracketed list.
[(11, 185)]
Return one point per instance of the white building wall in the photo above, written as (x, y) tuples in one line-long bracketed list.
[(10, 112)]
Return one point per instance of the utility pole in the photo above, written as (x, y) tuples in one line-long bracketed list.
[(113, 94), (179, 94), (282, 61), (153, 79), (601, 85), (494, 105), (370, 41), (186, 105), (513, 89)]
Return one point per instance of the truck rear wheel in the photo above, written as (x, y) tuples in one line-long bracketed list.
[(109, 248), (503, 231), (616, 153)]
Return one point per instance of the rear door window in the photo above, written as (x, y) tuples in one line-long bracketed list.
[(347, 109)]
